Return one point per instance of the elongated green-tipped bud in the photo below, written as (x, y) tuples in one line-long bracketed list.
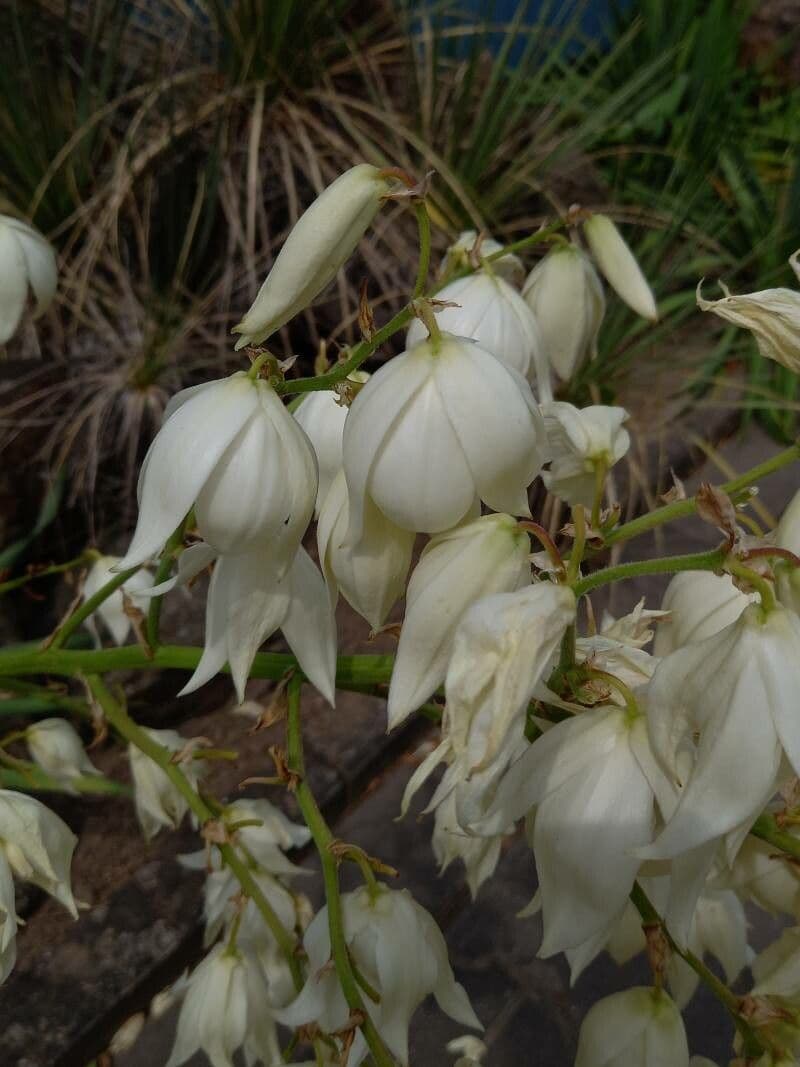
[(320, 243), (619, 265)]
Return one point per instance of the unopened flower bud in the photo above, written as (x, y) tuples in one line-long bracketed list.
[(566, 297), (321, 241), (56, 747), (26, 259), (619, 266)]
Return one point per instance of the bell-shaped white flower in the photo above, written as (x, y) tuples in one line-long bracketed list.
[(618, 265), (456, 568), (248, 600), (491, 312), (771, 315), (158, 802), (767, 879), (436, 427), (370, 575), (26, 259), (320, 242), (699, 605), (322, 415), (726, 705), (38, 845), (480, 855), (566, 295), (226, 1008), (593, 806), (112, 611), (56, 747), (231, 450), (266, 833), (638, 1027), (398, 948), (459, 256), (582, 441)]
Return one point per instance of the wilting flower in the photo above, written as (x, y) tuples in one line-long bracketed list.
[(38, 845), (226, 1008), (725, 706), (322, 240), (772, 316), (566, 296), (26, 259), (451, 841), (456, 568), (618, 647), (492, 313), (436, 427), (322, 416), (619, 266), (249, 598), (638, 1027), (398, 948), (370, 575), (112, 611), (458, 257), (699, 605), (231, 450), (158, 802), (56, 747), (582, 441), (593, 807)]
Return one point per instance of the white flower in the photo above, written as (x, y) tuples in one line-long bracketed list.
[(726, 705), (112, 611), (771, 315), (638, 1027), (248, 600), (231, 450), (226, 1008), (436, 427), (456, 568), (450, 841), (700, 604), (581, 442), (8, 919), (398, 948), (566, 296), (26, 259), (223, 900), (777, 969), (618, 648), (492, 313), (458, 257), (158, 802), (38, 845), (593, 807), (787, 535), (618, 264), (470, 1050), (56, 747), (767, 879), (271, 834), (370, 575), (321, 241), (322, 416)]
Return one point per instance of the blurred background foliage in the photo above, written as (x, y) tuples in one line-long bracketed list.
[(166, 146)]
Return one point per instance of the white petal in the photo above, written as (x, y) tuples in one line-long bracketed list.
[(40, 263), (215, 650), (13, 282), (310, 626)]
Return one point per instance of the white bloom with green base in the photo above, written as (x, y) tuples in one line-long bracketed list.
[(26, 260), (38, 845), (638, 1027), (226, 1008), (318, 245), (492, 313), (400, 951), (456, 569), (436, 427), (699, 605), (618, 265), (159, 804), (371, 575), (233, 452), (566, 296), (112, 611), (583, 442), (56, 747)]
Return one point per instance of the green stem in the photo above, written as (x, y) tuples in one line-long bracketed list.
[(767, 829), (682, 508), (600, 471), (33, 780), (527, 242), (57, 568), (118, 717), (578, 545), (161, 575), (762, 586), (323, 839), (695, 561), (68, 628), (726, 996), (424, 226)]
